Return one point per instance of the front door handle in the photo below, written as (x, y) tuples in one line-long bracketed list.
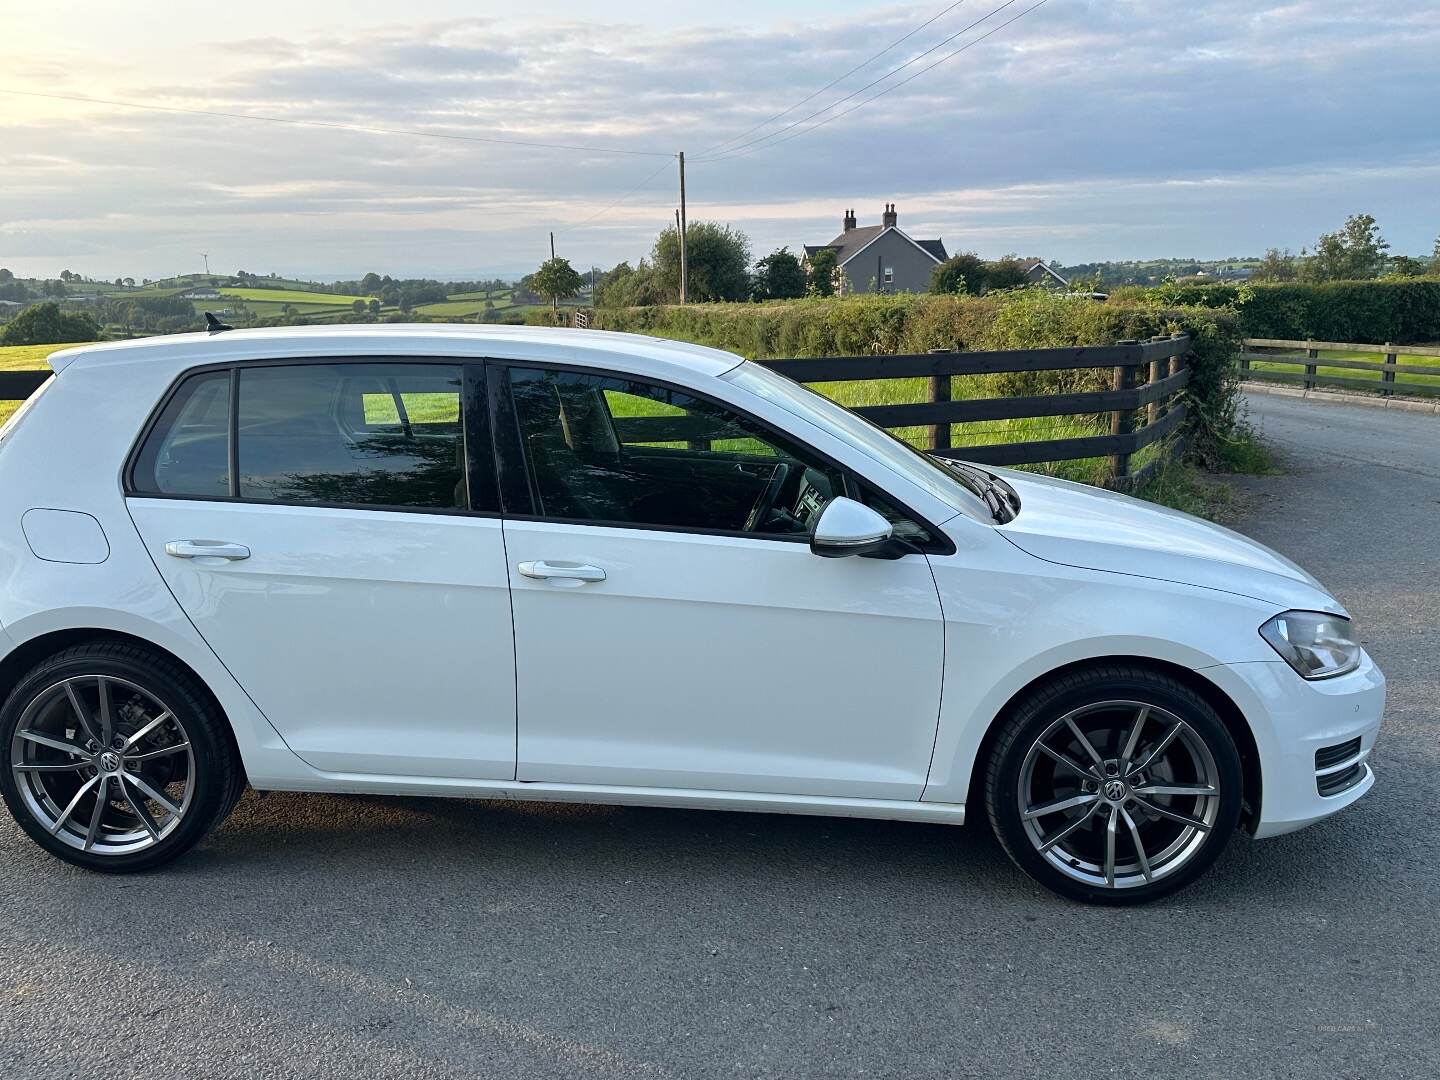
[(560, 572), (206, 549)]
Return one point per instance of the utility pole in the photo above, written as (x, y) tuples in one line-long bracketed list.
[(554, 300), (552, 243), (684, 265)]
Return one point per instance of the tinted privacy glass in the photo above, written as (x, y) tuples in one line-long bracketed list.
[(619, 450), (187, 451), (358, 434)]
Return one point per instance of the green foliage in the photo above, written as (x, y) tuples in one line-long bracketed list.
[(778, 276), (1276, 266), (824, 266), (718, 259), (1006, 273), (963, 272), (46, 324), (1354, 252), (627, 286), (1404, 266), (556, 279)]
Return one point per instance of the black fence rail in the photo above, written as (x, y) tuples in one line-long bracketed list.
[(1143, 402), (1393, 376)]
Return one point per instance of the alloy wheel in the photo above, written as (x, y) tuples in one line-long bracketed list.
[(103, 765), (1118, 794)]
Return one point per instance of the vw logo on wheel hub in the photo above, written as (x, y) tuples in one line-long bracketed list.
[(110, 761), (1114, 790)]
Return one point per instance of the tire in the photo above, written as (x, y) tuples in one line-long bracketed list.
[(1163, 825), (171, 775)]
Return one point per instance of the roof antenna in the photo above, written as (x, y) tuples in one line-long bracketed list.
[(214, 325)]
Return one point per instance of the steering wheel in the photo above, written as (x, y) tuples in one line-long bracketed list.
[(765, 503)]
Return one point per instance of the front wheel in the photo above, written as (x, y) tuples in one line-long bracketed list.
[(114, 759), (1114, 785)]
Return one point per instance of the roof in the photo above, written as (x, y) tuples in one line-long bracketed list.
[(849, 244), (585, 347)]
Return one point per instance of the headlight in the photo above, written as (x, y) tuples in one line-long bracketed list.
[(1317, 645)]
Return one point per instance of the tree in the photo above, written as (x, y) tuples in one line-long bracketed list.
[(370, 283), (129, 282), (46, 324), (824, 268), (1434, 259), (374, 306), (778, 276), (1276, 266), (556, 279), (963, 272), (65, 276), (718, 257), (357, 306), (1354, 252), (627, 286), (1405, 266), (6, 276), (1006, 273)]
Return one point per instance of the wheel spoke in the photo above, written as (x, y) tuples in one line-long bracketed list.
[(1055, 755), (1173, 815), (1139, 846), (101, 801), (81, 712), (1063, 833), (1110, 849), (1080, 735), (54, 744), (69, 767), (1203, 791), (151, 726), (138, 805), (1160, 748), (164, 750), (1060, 804), (146, 789), (107, 722), (65, 814), (1133, 740)]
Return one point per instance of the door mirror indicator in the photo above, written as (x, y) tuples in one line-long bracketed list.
[(846, 527)]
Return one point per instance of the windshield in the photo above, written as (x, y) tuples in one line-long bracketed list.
[(854, 430)]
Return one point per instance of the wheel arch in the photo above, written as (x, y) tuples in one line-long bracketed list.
[(1230, 714)]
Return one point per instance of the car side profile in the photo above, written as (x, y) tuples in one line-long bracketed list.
[(521, 563)]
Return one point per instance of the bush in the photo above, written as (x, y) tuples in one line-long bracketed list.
[(46, 324), (906, 323)]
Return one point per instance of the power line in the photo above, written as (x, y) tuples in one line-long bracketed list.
[(873, 83), (605, 210), (835, 82), (911, 78), (337, 125)]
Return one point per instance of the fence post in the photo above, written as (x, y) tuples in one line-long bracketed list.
[(1152, 411), (1122, 421), (1388, 376), (1310, 353), (940, 392)]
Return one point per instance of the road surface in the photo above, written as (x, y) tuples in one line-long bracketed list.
[(331, 937)]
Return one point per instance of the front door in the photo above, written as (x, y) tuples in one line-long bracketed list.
[(673, 628), (337, 568)]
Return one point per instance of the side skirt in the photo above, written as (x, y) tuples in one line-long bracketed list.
[(682, 798)]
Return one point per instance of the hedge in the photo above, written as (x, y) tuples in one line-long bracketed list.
[(1405, 311), (907, 323)]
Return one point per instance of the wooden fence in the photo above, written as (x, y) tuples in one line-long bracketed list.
[(1306, 355), (1143, 403)]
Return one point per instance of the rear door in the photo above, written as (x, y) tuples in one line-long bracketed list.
[(333, 535)]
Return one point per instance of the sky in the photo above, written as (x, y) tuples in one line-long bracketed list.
[(1085, 130)]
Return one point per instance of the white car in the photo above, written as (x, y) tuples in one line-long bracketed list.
[(570, 565)]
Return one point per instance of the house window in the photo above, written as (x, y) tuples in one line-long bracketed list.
[(889, 275)]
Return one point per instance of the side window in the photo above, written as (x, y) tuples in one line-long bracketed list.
[(618, 450), (353, 434), (188, 450)]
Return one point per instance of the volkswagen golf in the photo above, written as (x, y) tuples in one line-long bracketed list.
[(517, 563)]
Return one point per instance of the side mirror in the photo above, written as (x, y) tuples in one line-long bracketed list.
[(846, 527)]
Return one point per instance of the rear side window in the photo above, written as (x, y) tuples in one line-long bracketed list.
[(354, 434), (188, 450)]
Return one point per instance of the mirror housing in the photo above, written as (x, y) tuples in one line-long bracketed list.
[(846, 527)]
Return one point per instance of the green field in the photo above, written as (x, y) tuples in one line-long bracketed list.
[(290, 296), (1415, 384)]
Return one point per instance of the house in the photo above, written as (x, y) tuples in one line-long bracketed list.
[(1039, 272), (203, 292), (880, 258)]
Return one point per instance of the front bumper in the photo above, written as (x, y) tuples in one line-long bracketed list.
[(1292, 718)]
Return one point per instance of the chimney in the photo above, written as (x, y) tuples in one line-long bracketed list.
[(849, 222), (887, 219)]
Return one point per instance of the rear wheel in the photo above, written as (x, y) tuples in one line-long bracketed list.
[(114, 759), (1114, 785)]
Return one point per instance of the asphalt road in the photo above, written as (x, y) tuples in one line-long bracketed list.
[(322, 936)]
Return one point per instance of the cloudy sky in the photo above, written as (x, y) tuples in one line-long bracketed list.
[(1088, 129)]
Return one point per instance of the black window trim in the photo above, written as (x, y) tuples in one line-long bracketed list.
[(474, 431), (515, 480)]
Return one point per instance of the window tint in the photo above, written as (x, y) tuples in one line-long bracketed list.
[(619, 450), (357, 434), (188, 450)]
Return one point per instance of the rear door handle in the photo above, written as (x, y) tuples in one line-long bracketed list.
[(206, 549), (561, 572)]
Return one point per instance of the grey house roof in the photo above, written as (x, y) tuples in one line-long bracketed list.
[(849, 244)]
